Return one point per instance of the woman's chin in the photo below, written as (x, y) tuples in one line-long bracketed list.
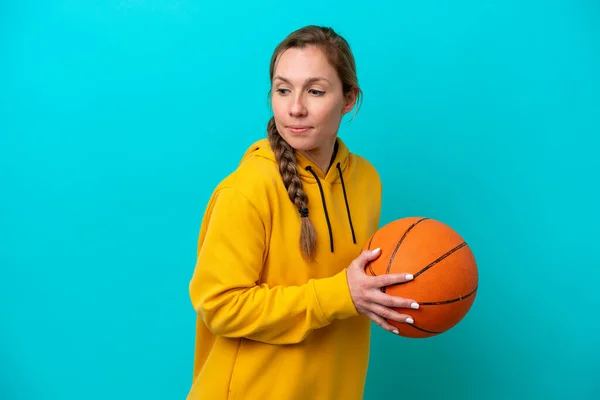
[(300, 141)]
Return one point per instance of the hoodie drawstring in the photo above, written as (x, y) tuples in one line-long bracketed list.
[(346, 200), (309, 169)]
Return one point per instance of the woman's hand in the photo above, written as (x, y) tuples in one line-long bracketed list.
[(368, 298)]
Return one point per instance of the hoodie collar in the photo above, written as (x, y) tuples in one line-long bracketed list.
[(263, 149), (333, 174)]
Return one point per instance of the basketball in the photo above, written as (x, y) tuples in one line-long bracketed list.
[(445, 275)]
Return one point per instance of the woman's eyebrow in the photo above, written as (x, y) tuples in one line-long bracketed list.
[(309, 80)]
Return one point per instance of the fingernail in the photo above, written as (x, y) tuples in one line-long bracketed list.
[(414, 305), (408, 277), (409, 320), (395, 331), (377, 250)]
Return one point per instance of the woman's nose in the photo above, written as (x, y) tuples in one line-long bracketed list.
[(297, 108)]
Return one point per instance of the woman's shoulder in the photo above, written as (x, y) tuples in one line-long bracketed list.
[(255, 175), (365, 168), (362, 163), (257, 167)]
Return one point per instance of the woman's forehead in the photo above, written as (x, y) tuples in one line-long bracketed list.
[(299, 65)]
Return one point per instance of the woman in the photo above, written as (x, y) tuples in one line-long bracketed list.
[(281, 317)]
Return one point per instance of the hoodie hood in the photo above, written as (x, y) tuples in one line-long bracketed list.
[(306, 168)]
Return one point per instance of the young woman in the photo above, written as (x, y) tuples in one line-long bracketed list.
[(284, 305)]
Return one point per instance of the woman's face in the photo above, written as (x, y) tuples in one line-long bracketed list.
[(308, 102)]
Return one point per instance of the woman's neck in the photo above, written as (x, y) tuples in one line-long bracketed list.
[(322, 156)]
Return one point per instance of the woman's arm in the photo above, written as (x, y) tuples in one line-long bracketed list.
[(224, 288)]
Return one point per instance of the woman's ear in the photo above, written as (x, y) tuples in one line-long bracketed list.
[(350, 100)]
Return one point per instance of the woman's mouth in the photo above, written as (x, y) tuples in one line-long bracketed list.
[(298, 128)]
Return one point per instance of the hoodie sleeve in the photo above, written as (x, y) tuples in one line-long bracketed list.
[(224, 289)]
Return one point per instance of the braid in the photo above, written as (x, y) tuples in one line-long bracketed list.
[(286, 159)]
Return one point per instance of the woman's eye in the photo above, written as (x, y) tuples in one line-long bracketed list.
[(282, 91), (316, 92)]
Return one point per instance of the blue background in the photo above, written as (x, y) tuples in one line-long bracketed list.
[(118, 118)]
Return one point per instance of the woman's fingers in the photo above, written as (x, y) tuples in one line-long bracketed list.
[(377, 296), (389, 314), (382, 323), (390, 279)]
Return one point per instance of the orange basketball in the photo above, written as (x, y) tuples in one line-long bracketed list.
[(444, 270)]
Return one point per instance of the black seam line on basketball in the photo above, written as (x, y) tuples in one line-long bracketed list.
[(387, 271), (369, 247), (371, 269), (435, 303), (440, 258), (423, 329)]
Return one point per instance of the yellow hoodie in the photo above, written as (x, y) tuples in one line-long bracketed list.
[(270, 325)]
